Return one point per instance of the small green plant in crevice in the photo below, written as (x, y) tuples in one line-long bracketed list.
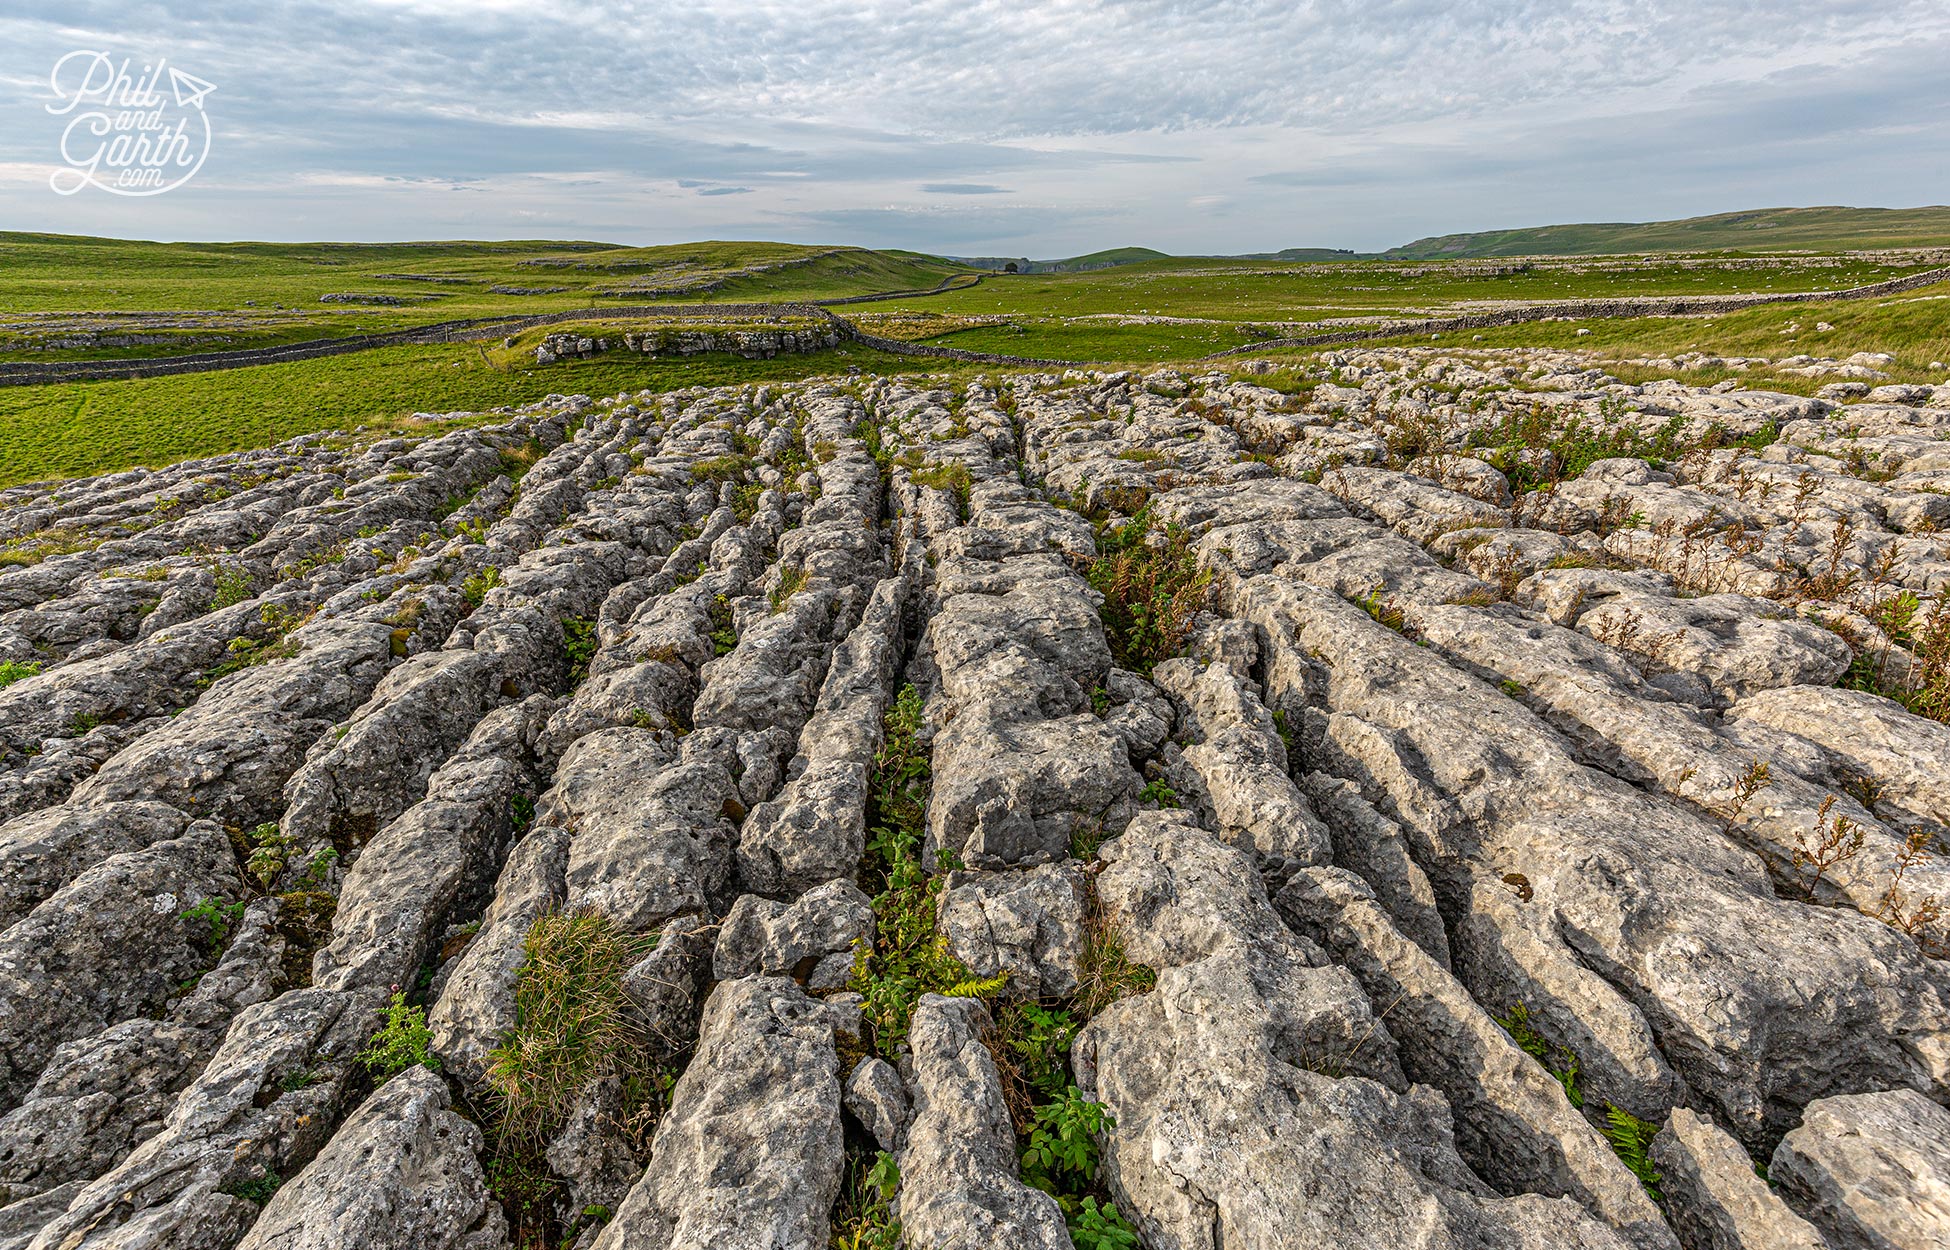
[(864, 1217), (1101, 1226), (906, 957), (217, 916), (1105, 972), (1631, 1140), (16, 670), (951, 477), (730, 468), (744, 500), (578, 646), (1151, 590), (723, 627), (1383, 609), (791, 582), (1156, 791), (258, 1190), (573, 1025), (475, 589), (403, 1042), (1038, 1040), (1560, 1061), (233, 585), (297, 1079), (270, 851), (1061, 1153)]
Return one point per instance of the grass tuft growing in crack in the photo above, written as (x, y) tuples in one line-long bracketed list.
[(573, 1025)]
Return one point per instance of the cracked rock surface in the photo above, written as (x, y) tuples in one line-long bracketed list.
[(1403, 798)]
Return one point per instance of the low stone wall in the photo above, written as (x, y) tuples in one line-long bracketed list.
[(1583, 310), (757, 344), (28, 373)]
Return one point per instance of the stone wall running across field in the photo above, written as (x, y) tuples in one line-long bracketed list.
[(473, 329)]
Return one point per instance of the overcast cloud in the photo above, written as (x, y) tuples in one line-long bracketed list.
[(1038, 129)]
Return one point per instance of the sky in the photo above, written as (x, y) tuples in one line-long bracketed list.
[(981, 127)]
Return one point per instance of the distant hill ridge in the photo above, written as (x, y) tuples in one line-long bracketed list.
[(1767, 229)]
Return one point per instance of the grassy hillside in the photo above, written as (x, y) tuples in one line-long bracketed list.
[(1760, 230), (68, 297), (1108, 258), (58, 273)]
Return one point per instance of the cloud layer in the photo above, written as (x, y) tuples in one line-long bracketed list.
[(1038, 129)]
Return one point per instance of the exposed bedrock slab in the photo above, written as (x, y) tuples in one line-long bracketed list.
[(1027, 923), (1872, 1171), (959, 1184), (401, 1172), (229, 755), (1011, 792), (42, 851), (1513, 1122), (750, 1153), (1760, 1004), (112, 944), (400, 893), (1244, 1086), (1234, 748), (1869, 735), (1717, 1200), (100, 1095), (236, 1123), (354, 782)]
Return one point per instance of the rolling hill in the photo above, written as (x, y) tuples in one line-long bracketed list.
[(1768, 229)]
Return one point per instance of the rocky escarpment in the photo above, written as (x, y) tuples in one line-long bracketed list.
[(1455, 800)]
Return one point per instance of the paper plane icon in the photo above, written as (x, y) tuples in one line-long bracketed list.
[(189, 89)]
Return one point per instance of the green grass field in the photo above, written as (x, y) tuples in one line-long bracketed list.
[(78, 428), (55, 292)]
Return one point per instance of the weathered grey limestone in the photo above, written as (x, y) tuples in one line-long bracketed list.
[(1513, 1122), (652, 817), (1372, 846), (174, 1190), (1872, 1171), (399, 894), (815, 830), (1243, 1117), (764, 938), (1737, 644), (1009, 791), (1874, 737), (1621, 879), (42, 851), (750, 1153), (1717, 1200), (1027, 923), (400, 1174), (100, 1095), (670, 984), (112, 944), (230, 754), (1243, 786), (876, 1097), (959, 1186), (354, 782)]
